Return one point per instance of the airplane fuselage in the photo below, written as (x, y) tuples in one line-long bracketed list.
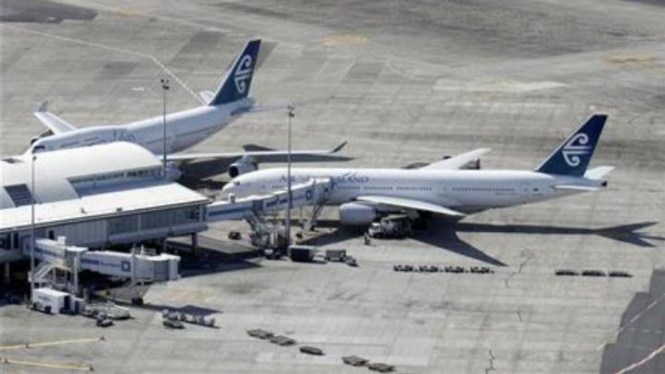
[(183, 130), (467, 191)]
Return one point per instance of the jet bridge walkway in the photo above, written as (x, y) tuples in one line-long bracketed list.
[(311, 193), (254, 209), (139, 267)]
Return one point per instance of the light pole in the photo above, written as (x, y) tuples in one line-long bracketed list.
[(165, 87), (289, 203), (32, 227), (33, 158), (32, 219)]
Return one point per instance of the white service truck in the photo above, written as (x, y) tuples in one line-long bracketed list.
[(50, 301), (396, 226)]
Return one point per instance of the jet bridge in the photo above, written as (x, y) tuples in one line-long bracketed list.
[(139, 267), (312, 193), (254, 209)]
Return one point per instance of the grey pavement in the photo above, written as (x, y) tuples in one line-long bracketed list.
[(404, 82)]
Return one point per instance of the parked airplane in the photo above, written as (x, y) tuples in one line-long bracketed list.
[(183, 129), (442, 187)]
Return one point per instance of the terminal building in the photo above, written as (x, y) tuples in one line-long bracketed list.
[(94, 197), (80, 201)]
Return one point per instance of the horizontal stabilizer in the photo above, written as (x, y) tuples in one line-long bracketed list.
[(207, 96), (573, 187), (458, 161), (598, 173), (411, 204), (287, 106), (56, 124)]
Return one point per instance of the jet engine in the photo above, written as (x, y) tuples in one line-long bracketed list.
[(242, 166), (355, 214), (173, 172), (44, 134)]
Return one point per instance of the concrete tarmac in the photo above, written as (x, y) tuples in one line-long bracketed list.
[(404, 82)]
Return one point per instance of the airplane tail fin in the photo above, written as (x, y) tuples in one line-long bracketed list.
[(238, 79), (573, 155)]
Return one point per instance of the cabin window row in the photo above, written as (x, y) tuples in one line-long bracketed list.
[(484, 189)]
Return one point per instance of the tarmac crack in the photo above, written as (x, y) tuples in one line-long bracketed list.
[(491, 362)]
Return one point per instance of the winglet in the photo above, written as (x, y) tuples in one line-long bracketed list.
[(255, 148), (42, 107), (339, 147)]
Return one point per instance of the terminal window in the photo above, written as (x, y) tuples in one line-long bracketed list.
[(20, 194)]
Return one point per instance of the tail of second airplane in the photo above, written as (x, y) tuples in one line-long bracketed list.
[(573, 155), (238, 79)]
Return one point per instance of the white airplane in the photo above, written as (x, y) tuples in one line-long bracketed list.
[(183, 129), (443, 188)]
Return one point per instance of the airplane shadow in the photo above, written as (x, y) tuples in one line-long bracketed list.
[(629, 234), (443, 234), (440, 234)]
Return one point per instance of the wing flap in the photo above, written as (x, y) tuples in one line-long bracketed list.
[(458, 161), (411, 204)]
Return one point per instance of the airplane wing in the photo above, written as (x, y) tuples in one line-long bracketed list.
[(56, 124), (458, 161), (267, 155), (411, 204)]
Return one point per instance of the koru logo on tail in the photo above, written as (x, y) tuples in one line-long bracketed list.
[(243, 73), (576, 147)]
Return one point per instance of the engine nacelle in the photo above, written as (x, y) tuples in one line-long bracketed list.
[(44, 134), (242, 166), (354, 214), (173, 172)]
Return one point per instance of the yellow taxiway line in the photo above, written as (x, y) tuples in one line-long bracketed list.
[(50, 365), (48, 344)]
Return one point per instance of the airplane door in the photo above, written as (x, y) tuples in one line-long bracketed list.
[(525, 190), (443, 190)]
